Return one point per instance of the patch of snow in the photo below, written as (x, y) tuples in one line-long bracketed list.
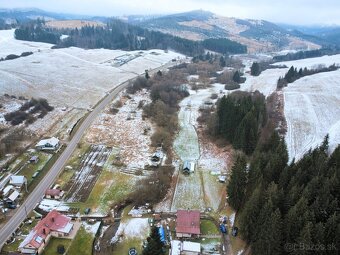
[(134, 228), (91, 228), (232, 219)]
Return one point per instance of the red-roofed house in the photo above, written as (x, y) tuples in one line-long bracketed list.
[(54, 224), (188, 223), (54, 193)]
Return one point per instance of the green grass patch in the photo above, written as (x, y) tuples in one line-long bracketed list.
[(208, 228), (111, 187), (12, 247), (45, 169), (26, 228), (124, 246), (82, 243), (204, 241), (18, 162), (52, 246), (30, 168)]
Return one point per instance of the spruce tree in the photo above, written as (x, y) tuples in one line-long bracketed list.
[(255, 69), (237, 184), (249, 216), (154, 245), (237, 77)]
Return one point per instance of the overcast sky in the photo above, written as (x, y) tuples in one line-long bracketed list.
[(305, 12)]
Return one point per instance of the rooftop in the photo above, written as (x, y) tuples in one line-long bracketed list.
[(52, 141), (188, 222), (54, 221)]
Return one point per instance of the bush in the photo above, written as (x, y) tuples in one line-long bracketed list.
[(12, 56), (161, 138), (214, 96), (232, 86), (153, 190), (27, 53)]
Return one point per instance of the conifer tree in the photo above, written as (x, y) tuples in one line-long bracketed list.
[(237, 184), (255, 69)]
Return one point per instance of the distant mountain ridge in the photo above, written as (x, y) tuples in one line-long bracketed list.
[(257, 35), (198, 25), (24, 14)]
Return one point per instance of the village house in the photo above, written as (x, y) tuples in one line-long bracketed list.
[(188, 167), (184, 248), (54, 224), (50, 144), (54, 193), (18, 180), (188, 224)]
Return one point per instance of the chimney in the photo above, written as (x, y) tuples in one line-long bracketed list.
[(52, 219), (44, 231)]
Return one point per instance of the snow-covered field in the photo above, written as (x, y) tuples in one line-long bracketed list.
[(9, 45), (312, 109), (71, 76), (266, 82), (312, 103)]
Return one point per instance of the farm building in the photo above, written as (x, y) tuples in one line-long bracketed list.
[(54, 224), (18, 180), (34, 159), (54, 193), (184, 248), (50, 144), (188, 167), (188, 223)]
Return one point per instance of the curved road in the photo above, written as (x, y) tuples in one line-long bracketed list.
[(36, 195)]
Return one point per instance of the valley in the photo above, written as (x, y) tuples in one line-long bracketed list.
[(172, 134)]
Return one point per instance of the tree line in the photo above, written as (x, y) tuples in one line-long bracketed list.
[(224, 46), (120, 35), (294, 74), (288, 208), (37, 31), (307, 54), (238, 119)]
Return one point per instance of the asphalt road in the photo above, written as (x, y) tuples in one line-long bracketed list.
[(37, 194)]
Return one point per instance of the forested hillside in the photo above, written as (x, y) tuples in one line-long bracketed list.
[(119, 35), (288, 208)]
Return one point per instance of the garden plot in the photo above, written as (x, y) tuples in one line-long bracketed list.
[(82, 182), (125, 130), (312, 110), (200, 189)]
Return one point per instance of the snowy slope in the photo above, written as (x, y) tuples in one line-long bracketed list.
[(312, 62), (312, 109), (71, 76)]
